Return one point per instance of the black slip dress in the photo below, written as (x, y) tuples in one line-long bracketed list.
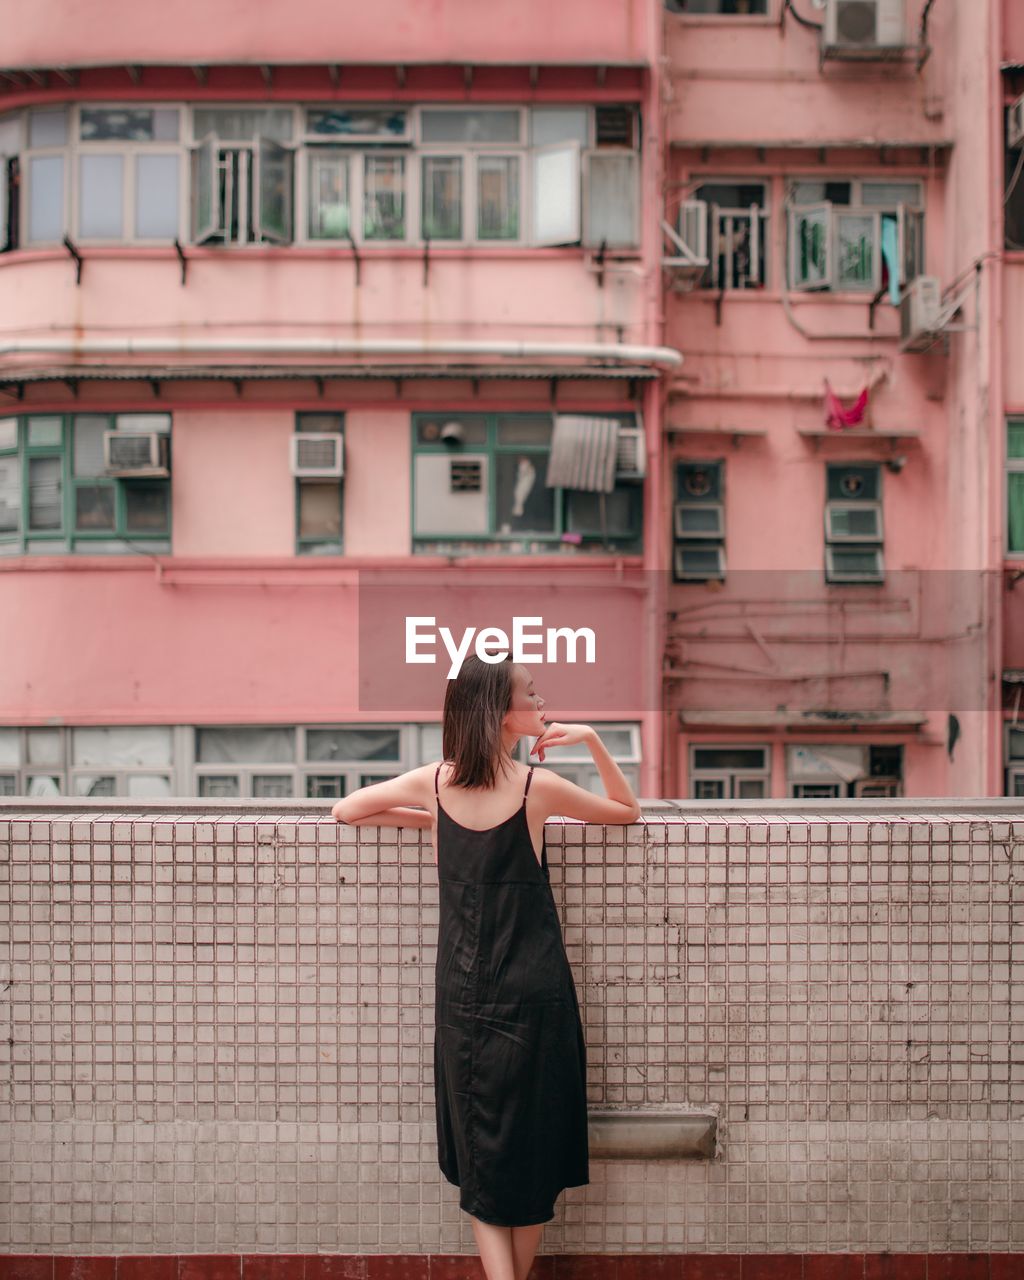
[(509, 1053)]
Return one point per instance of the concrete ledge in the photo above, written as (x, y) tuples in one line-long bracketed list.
[(619, 1134)]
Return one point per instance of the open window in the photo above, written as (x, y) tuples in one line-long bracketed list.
[(611, 209), (273, 190), (555, 210), (856, 236)]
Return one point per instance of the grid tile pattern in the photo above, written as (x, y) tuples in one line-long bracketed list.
[(217, 1032)]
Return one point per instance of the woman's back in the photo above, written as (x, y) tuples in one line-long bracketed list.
[(484, 809)]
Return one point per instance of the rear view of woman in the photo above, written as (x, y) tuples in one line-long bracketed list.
[(509, 1052)]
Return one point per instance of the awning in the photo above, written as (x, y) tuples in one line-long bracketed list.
[(263, 372), (583, 452), (796, 721)]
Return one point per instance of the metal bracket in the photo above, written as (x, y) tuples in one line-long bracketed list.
[(77, 257), (355, 255), (181, 258)]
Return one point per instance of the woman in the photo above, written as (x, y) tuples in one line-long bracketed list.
[(509, 1054)]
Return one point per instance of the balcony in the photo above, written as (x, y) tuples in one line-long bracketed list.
[(220, 1025)]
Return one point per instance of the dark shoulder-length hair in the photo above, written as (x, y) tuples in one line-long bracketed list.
[(475, 703)]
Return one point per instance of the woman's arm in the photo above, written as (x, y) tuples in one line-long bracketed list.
[(388, 804), (396, 817)]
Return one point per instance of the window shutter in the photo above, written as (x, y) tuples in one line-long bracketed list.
[(693, 228), (610, 210), (273, 186), (207, 213), (910, 228), (810, 246), (555, 194), (583, 454)]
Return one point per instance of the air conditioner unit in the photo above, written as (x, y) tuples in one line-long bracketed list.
[(864, 26), (1015, 124), (136, 453), (317, 454), (920, 308), (879, 788), (631, 454)]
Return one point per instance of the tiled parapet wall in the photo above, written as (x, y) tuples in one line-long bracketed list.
[(218, 1024)]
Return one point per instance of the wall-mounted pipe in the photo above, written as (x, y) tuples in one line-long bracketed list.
[(187, 346)]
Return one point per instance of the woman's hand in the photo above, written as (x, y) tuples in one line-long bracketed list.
[(561, 735)]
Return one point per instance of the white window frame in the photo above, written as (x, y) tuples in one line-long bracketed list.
[(903, 211), (729, 776), (410, 195), (1008, 729), (682, 574), (129, 150), (192, 142), (684, 535), (65, 151), (759, 217), (834, 505), (589, 238), (839, 576), (837, 544), (468, 153), (355, 142), (816, 791)]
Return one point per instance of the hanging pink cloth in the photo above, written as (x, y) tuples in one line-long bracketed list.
[(837, 418)]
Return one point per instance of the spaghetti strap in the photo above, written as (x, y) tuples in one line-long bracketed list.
[(436, 792), (529, 779)]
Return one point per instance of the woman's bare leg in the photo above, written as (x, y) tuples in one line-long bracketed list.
[(524, 1247), (495, 1245)]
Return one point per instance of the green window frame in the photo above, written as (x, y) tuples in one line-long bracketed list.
[(1015, 486), (91, 510), (308, 489), (489, 439)]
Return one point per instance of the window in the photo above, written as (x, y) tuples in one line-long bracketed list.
[(1015, 487), (698, 522), (735, 232), (282, 761), (839, 770), (479, 484), (89, 482), (1014, 760), (105, 173), (129, 168), (1013, 194), (242, 175), (739, 8), (729, 772), (853, 523), (124, 760), (857, 235), (470, 173), (319, 502)]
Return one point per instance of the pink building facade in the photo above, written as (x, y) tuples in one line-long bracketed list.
[(303, 303)]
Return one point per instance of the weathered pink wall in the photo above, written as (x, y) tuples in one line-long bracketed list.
[(298, 292), (77, 32), (757, 85), (241, 641)]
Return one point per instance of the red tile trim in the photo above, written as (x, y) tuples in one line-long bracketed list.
[(467, 1266)]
